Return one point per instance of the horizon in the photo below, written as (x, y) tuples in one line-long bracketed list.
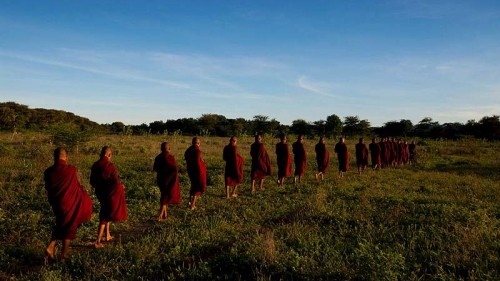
[(138, 62)]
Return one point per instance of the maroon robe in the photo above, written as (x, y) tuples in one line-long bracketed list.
[(261, 164), (299, 158), (375, 153), (383, 152), (167, 178), (284, 160), (361, 154), (197, 170), (109, 191), (343, 156), (233, 173), (322, 157), (71, 204)]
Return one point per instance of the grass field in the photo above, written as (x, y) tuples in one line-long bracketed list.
[(439, 220)]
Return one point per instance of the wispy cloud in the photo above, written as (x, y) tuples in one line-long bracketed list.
[(320, 88)]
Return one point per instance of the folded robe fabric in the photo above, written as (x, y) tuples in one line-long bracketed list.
[(299, 158), (167, 178), (233, 172), (343, 156), (197, 170), (322, 157), (261, 164), (71, 204), (375, 153), (361, 154), (284, 160), (109, 191)]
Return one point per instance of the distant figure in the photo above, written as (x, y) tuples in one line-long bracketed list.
[(342, 156), (406, 152), (361, 155), (197, 171), (233, 173), (322, 158), (110, 193), (383, 152), (374, 148), (71, 204), (412, 150), (283, 159), (299, 158), (167, 179), (261, 164)]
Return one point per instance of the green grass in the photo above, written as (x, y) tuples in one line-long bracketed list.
[(439, 220)]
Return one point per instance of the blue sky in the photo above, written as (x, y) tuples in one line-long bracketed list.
[(143, 61)]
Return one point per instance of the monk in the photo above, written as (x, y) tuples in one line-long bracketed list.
[(322, 158), (383, 152), (197, 171), (342, 156), (361, 155), (412, 152), (71, 204), (233, 172), (283, 159), (261, 164), (299, 158), (167, 179), (374, 148), (110, 193)]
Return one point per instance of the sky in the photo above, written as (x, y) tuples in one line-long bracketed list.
[(142, 61)]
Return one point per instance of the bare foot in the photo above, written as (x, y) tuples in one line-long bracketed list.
[(50, 255), (98, 245), (235, 195), (110, 238)]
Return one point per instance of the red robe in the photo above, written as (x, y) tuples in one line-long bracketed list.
[(233, 173), (261, 164), (197, 170), (322, 157), (109, 191), (343, 156), (167, 178), (71, 204), (284, 160), (375, 153), (361, 154), (299, 158)]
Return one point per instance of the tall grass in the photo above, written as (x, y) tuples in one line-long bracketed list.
[(437, 220)]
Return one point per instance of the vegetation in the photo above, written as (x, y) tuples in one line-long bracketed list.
[(438, 220), (15, 117)]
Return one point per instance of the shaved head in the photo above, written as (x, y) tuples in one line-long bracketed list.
[(60, 153)]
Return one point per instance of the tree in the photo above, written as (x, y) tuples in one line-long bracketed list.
[(333, 126), (425, 127), (300, 126), (489, 127), (319, 128)]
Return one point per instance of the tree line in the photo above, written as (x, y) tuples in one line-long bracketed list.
[(16, 117)]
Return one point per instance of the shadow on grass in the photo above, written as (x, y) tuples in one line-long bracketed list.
[(470, 167)]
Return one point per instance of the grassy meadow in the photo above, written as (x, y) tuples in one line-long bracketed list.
[(438, 220)]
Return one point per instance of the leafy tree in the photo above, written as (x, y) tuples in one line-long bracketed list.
[(489, 127), (300, 126), (319, 127), (333, 126)]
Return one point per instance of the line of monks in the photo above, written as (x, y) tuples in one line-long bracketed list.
[(72, 205)]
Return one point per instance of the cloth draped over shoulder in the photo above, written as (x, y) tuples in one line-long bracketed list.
[(167, 178), (71, 204), (375, 153), (233, 172), (284, 160), (361, 154), (261, 164), (109, 191), (322, 157), (299, 158), (343, 156), (197, 171)]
